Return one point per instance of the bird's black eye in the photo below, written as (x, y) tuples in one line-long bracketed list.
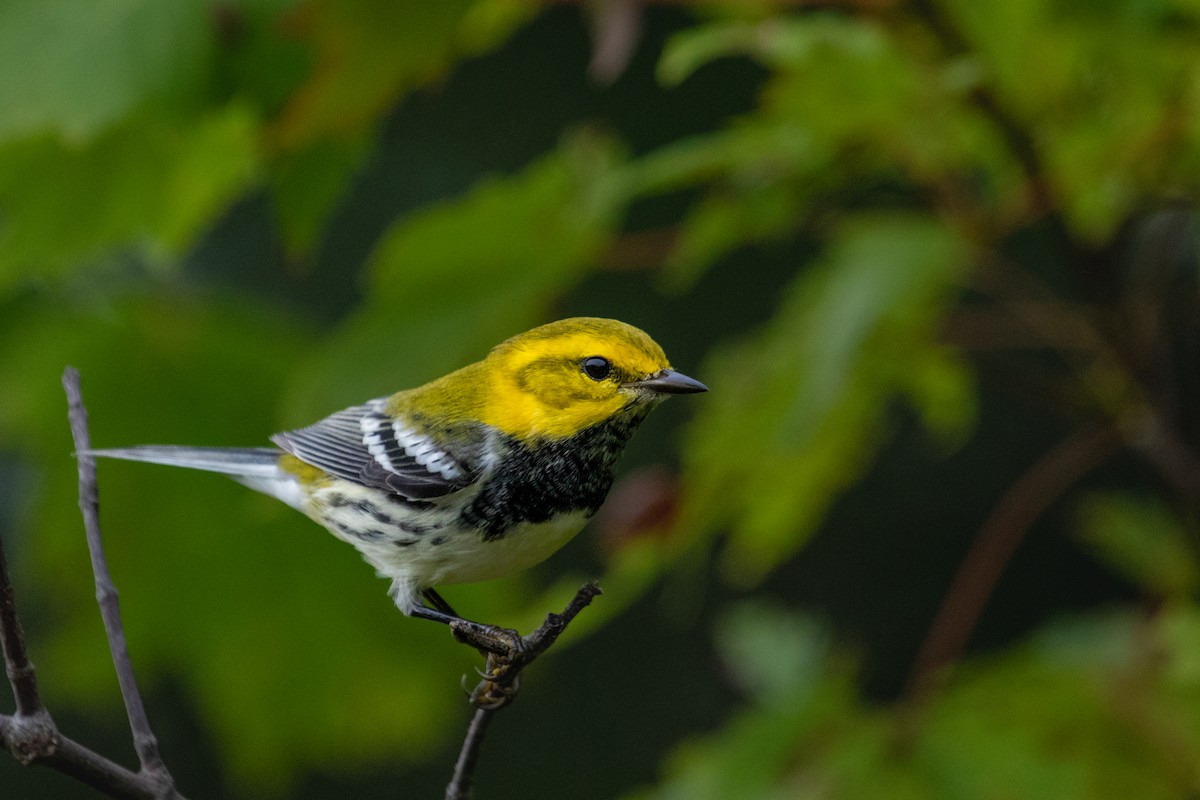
[(597, 368)]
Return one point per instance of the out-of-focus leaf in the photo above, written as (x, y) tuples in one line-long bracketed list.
[(773, 655), (846, 105), (1142, 540), (688, 51), (486, 22), (368, 52), (1095, 708), (723, 222), (1180, 686), (74, 67), (148, 183), (752, 756), (450, 282), (777, 42), (1062, 719), (756, 151), (795, 413), (307, 183), (1104, 86)]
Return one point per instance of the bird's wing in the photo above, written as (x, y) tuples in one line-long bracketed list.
[(367, 445)]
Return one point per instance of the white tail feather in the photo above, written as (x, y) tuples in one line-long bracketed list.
[(259, 461), (256, 467)]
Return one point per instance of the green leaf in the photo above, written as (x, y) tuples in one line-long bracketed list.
[(147, 183), (797, 412), (777, 42), (724, 221), (1101, 90), (1056, 720), (773, 654), (846, 106), (73, 68), (1141, 539), (306, 184), (368, 53), (1095, 707)]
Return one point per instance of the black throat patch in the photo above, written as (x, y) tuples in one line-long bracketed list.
[(538, 481)]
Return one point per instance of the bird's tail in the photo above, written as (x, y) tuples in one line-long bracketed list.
[(256, 467), (236, 461)]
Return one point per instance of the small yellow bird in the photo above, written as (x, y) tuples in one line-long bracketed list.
[(476, 475)]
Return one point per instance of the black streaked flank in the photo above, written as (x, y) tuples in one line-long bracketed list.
[(367, 534), (362, 505), (406, 502)]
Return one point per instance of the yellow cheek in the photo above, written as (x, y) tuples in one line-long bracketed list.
[(526, 416)]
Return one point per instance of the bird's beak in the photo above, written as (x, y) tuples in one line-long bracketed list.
[(668, 381)]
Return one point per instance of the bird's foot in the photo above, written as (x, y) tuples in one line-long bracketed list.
[(490, 639), (506, 652)]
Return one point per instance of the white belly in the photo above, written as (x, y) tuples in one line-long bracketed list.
[(391, 538), (465, 557)]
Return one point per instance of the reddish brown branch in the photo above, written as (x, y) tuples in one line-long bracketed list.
[(1026, 500)]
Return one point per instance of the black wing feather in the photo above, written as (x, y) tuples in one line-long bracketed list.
[(365, 445)]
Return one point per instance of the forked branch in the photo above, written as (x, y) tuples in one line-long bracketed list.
[(30, 734), (502, 679)]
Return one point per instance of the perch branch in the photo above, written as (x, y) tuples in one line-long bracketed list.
[(30, 734), (502, 679), (16, 659), (144, 741)]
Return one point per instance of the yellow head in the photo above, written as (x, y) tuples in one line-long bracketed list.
[(553, 381), (561, 378)]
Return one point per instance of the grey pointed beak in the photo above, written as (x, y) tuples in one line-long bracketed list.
[(668, 381)]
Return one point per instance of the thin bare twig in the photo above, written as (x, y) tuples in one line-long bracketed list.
[(1139, 413), (144, 741), (16, 659), (30, 734), (463, 780), (39, 741), (500, 684)]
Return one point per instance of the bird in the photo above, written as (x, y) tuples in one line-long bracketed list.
[(478, 474)]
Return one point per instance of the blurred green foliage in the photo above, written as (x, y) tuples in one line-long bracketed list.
[(1086, 710), (960, 200)]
